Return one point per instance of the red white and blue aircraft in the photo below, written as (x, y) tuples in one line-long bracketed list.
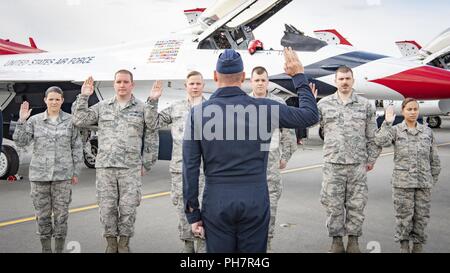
[(226, 24)]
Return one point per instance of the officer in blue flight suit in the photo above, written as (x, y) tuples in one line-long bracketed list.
[(227, 131)]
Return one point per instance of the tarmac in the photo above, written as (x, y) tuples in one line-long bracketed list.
[(300, 226)]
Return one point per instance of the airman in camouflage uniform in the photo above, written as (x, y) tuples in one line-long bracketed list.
[(55, 164), (349, 125), (282, 146), (416, 171), (121, 156), (175, 116)]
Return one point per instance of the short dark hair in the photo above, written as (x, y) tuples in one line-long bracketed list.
[(54, 89), (193, 73), (344, 69), (124, 71), (408, 100), (259, 70)]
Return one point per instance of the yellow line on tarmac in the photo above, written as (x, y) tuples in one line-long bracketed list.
[(9, 223), (85, 208), (161, 194), (302, 169), (318, 166)]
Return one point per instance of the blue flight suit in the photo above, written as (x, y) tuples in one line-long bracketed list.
[(235, 209)]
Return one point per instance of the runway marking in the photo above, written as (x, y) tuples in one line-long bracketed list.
[(76, 210), (9, 223), (318, 166), (161, 194)]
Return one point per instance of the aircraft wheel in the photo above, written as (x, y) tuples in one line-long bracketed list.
[(434, 122), (321, 134), (91, 154), (9, 162)]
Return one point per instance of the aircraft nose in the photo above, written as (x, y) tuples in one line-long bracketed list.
[(424, 82)]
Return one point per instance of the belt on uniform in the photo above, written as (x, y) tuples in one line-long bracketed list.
[(237, 179)]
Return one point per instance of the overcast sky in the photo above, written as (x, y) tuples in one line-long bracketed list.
[(372, 25)]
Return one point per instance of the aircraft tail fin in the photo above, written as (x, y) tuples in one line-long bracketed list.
[(192, 15), (32, 43), (8, 48), (408, 48), (331, 37)]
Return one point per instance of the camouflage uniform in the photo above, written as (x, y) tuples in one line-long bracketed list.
[(283, 144), (175, 116), (416, 171), (56, 157), (349, 146), (121, 132)]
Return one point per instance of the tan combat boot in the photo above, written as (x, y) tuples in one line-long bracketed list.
[(417, 248), (112, 245), (404, 246), (188, 247), (59, 244), (352, 244), (124, 242), (337, 246), (46, 245)]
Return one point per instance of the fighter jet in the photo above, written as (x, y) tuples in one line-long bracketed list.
[(438, 51), (226, 24)]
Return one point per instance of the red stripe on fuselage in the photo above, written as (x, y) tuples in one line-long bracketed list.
[(425, 82)]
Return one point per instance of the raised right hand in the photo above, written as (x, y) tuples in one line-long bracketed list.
[(292, 64), (88, 87), (156, 91), (390, 114), (25, 111), (314, 90)]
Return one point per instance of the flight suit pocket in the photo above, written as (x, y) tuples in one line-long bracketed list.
[(358, 118), (424, 146), (135, 124), (400, 177), (64, 137), (106, 121), (359, 115), (64, 196), (330, 115), (42, 132)]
